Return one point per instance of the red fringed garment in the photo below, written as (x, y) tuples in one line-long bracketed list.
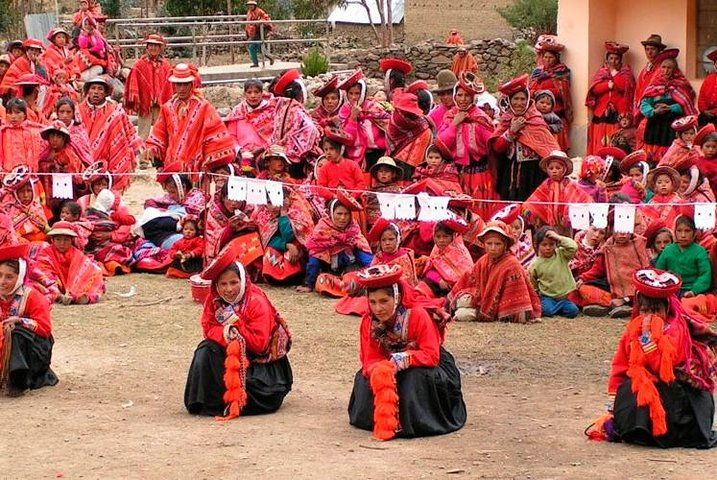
[(540, 207), (148, 85)]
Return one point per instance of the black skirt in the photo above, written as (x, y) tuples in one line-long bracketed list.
[(430, 400), (266, 384), (30, 358), (658, 130), (689, 417), (518, 180)]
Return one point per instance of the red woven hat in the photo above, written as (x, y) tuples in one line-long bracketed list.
[(684, 123), (549, 43), (56, 126), (514, 86), (168, 170), (471, 83), (381, 225), (560, 156), (458, 200), (221, 262), (501, 228), (507, 214), (183, 73), (652, 231), (56, 31), (328, 87), (338, 134), (416, 86), (617, 154), (285, 80), (456, 224), (347, 200), (712, 55), (407, 102), (616, 48), (29, 79), (16, 178), (632, 160), (62, 228), (655, 283), (96, 171), (704, 131), (14, 252), (32, 43), (665, 54), (592, 164), (351, 80), (379, 276), (155, 39), (386, 64)]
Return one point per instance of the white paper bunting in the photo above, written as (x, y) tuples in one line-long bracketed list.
[(236, 187), (598, 212), (433, 209), (62, 185), (256, 192), (387, 202), (579, 216), (624, 218), (275, 190), (705, 216), (405, 207)]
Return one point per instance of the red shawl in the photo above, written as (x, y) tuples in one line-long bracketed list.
[(66, 160), (75, 273), (299, 212), (404, 130), (557, 80), (190, 132), (18, 68), (500, 289), (326, 240), (112, 137), (537, 211), (679, 155), (148, 85), (55, 58), (534, 135), (677, 87), (600, 97), (451, 262), (276, 121), (20, 145)]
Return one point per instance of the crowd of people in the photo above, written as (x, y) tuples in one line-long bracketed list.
[(506, 249)]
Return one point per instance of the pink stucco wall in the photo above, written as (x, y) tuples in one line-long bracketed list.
[(584, 26)]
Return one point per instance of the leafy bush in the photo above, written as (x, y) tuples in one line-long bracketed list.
[(111, 8), (522, 60), (538, 16), (315, 63)]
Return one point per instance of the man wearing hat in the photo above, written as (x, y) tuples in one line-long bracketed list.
[(652, 45), (148, 87), (111, 134), (446, 80), (463, 61), (188, 130), (28, 63), (253, 32)]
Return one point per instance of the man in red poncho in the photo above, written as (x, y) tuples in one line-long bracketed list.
[(148, 86), (112, 136), (189, 129)]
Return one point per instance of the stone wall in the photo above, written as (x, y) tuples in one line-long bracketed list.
[(474, 19), (428, 58)]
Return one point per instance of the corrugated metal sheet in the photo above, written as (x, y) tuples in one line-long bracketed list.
[(354, 12), (38, 24)]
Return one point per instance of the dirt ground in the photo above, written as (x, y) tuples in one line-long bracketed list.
[(118, 412)]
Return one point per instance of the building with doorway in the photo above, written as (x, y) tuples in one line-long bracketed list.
[(584, 26)]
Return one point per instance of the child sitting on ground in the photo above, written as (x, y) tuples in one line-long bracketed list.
[(625, 138), (635, 168), (541, 207), (592, 171), (657, 237), (111, 236), (449, 259), (385, 175), (550, 272), (687, 259), (71, 211), (20, 203), (439, 167), (613, 179), (589, 242), (664, 182), (622, 254), (497, 288), (186, 253)]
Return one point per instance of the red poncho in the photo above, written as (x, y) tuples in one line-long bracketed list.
[(537, 211), (148, 85), (327, 240)]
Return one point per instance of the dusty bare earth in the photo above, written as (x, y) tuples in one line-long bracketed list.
[(118, 413)]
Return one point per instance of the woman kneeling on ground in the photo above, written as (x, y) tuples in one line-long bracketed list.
[(662, 378), (26, 327), (408, 385), (241, 367)]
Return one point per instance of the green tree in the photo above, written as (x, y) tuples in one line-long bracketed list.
[(111, 8), (539, 16)]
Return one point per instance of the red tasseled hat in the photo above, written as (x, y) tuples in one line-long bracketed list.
[(17, 177), (351, 80), (652, 230), (386, 64), (407, 102), (507, 214), (347, 200), (221, 262), (285, 80), (456, 224), (471, 83), (328, 87), (665, 54), (374, 235), (379, 276), (416, 86), (338, 135), (514, 86), (704, 131), (684, 123), (168, 170), (655, 283), (617, 154), (631, 160), (616, 48)]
